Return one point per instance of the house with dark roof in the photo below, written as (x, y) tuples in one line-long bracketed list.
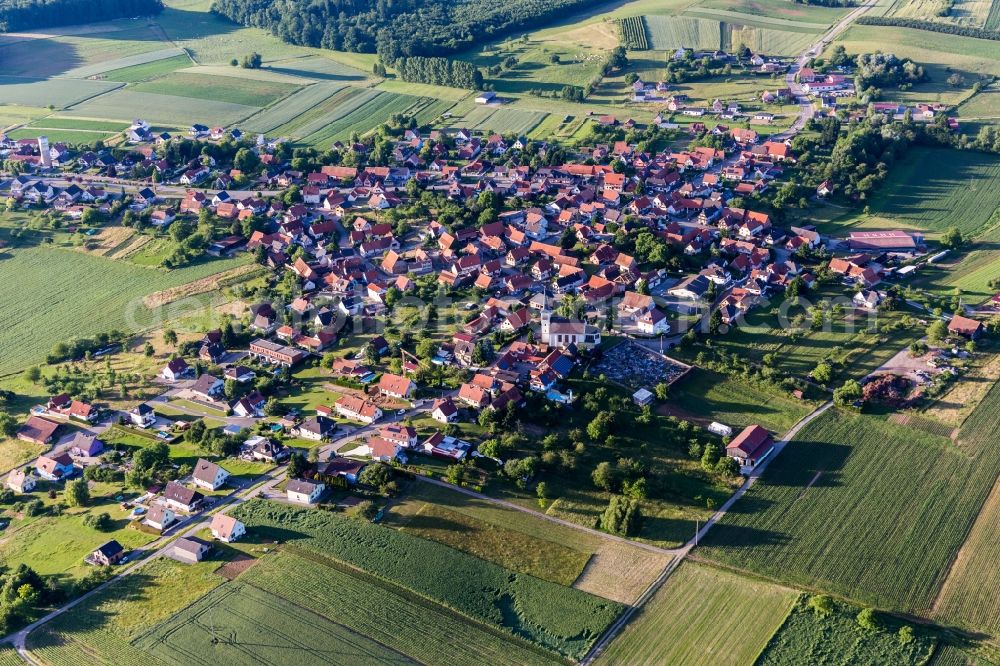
[(109, 553), (181, 497)]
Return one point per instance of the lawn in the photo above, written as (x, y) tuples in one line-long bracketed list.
[(837, 639), (561, 619), (229, 89), (700, 617), (58, 544), (852, 497), (933, 189), (711, 396), (421, 513), (105, 295)]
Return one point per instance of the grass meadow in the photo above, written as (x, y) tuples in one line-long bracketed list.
[(92, 295), (853, 498), (217, 88), (699, 617)]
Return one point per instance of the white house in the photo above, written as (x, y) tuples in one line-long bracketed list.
[(653, 322), (142, 416), (160, 517), (21, 481), (208, 475), (444, 411), (226, 528), (303, 492), (175, 369)]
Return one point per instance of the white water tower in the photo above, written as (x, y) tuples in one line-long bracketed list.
[(43, 149)]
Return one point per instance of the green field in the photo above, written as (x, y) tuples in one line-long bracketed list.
[(501, 120), (558, 618), (149, 70), (56, 92), (71, 137), (232, 90), (309, 101), (705, 30), (365, 118), (854, 497), (98, 295), (74, 124), (167, 110), (388, 614), (714, 397), (976, 56), (259, 628), (702, 617), (933, 189), (159, 61), (781, 10), (971, 595), (837, 639)]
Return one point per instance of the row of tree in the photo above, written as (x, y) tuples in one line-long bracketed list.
[(28, 14), (932, 26), (439, 71)]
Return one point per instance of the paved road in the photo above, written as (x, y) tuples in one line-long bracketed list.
[(684, 551), (806, 110), (151, 551)]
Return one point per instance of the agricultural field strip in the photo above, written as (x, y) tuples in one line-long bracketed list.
[(292, 107), (57, 92), (123, 63), (337, 106), (843, 532), (755, 21), (362, 119), (425, 631)]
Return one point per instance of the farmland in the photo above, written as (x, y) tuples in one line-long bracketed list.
[(188, 637), (505, 121), (698, 617), (829, 512), (558, 618), (526, 544), (422, 630), (105, 295), (932, 190), (837, 639), (371, 114), (701, 31), (978, 56), (228, 89)]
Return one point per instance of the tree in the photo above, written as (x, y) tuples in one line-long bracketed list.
[(252, 61), (366, 510), (662, 391), (274, 408), (77, 493), (8, 425), (148, 350), (541, 491), (33, 374), (100, 522), (905, 634), (622, 517), (937, 332), (377, 475), (170, 337), (952, 238), (820, 604), (605, 477), (847, 394), (715, 322), (297, 465), (710, 456), (867, 620), (822, 373)]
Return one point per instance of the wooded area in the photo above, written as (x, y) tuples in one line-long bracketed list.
[(393, 29), (29, 14)]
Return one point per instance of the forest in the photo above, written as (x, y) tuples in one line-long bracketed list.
[(30, 14), (394, 28)]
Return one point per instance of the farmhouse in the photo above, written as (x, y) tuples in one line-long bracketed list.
[(208, 475), (226, 528), (21, 481), (37, 430), (182, 498), (969, 328), (303, 492), (750, 446), (110, 553)]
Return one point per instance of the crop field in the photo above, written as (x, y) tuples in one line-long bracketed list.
[(779, 9), (510, 548), (387, 614), (504, 121), (974, 13), (972, 274), (217, 88), (310, 109), (983, 105), (102, 628), (980, 56), (933, 189), (993, 18), (317, 67), (149, 59), (699, 617), (71, 137), (841, 506), (57, 92), (74, 124), (558, 618), (633, 33), (160, 109), (149, 70), (758, 20), (365, 118), (836, 639), (105, 295), (250, 615), (667, 33)]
